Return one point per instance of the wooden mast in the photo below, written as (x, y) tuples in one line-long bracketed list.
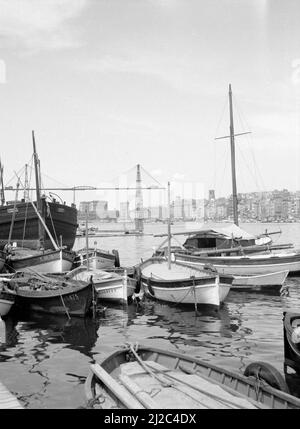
[(169, 228), (233, 172), (38, 192), (232, 147)]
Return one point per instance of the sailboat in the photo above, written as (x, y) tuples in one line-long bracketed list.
[(61, 219), (177, 282), (262, 257), (38, 257)]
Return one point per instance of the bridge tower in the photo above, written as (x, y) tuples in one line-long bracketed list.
[(139, 212)]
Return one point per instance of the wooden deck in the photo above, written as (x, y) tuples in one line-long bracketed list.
[(7, 399)]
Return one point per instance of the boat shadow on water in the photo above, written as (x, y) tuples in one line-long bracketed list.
[(76, 333)]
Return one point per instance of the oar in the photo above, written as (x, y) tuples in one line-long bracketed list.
[(117, 389)]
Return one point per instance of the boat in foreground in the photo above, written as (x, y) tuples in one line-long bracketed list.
[(109, 286), (46, 294), (180, 283), (159, 379), (291, 338)]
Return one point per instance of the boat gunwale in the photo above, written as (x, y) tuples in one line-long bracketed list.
[(265, 388)]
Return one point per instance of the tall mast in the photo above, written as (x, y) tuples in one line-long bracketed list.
[(2, 185), (233, 173), (38, 190)]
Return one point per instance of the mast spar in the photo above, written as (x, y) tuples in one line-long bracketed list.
[(233, 171), (232, 151), (38, 191)]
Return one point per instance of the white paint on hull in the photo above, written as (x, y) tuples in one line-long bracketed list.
[(201, 294), (249, 269), (5, 306), (224, 291), (270, 279), (57, 266)]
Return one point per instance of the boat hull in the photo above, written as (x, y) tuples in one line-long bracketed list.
[(7, 300), (48, 262), (109, 286), (291, 321), (97, 260), (180, 284), (246, 265), (60, 219), (75, 300), (258, 282), (239, 385)]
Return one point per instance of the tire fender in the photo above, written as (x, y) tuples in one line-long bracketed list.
[(268, 373)]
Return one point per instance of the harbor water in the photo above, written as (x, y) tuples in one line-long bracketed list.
[(44, 360)]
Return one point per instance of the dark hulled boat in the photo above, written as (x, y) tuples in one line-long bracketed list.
[(60, 219), (52, 295), (32, 225), (291, 338)]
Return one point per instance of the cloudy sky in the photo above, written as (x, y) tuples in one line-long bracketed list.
[(108, 84)]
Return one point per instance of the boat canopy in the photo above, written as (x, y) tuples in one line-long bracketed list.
[(220, 238)]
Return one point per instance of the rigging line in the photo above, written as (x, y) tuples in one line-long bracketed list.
[(22, 168), (26, 210), (249, 139), (224, 169), (247, 165), (215, 143)]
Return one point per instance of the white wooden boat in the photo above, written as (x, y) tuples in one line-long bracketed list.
[(262, 281), (42, 261), (151, 378), (109, 286), (246, 265), (178, 283), (98, 259)]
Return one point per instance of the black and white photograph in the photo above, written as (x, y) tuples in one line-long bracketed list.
[(149, 207)]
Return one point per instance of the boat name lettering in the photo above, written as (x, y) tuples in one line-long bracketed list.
[(159, 418)]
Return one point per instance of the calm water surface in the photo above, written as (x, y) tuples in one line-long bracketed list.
[(44, 360)]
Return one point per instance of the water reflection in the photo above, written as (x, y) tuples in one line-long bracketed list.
[(76, 333)]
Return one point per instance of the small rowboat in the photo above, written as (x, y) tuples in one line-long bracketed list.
[(158, 379), (291, 338), (98, 259), (181, 283), (46, 294), (109, 286)]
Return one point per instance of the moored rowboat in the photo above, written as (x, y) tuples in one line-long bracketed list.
[(179, 284), (108, 285), (36, 292), (246, 265), (127, 379)]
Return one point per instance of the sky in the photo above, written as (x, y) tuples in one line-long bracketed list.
[(109, 84)]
